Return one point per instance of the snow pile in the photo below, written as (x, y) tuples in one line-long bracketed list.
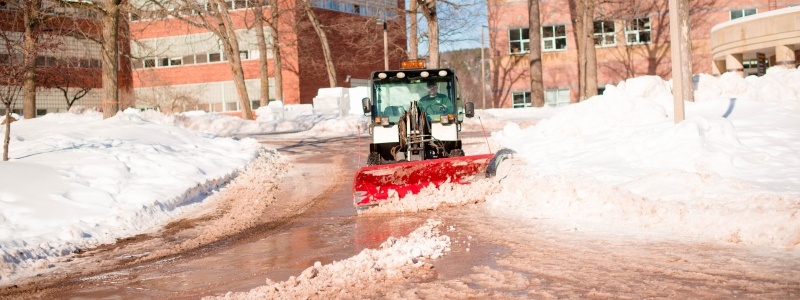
[(366, 275), (348, 125), (223, 125), (617, 162), (76, 181)]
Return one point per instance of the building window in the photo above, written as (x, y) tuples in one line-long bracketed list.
[(751, 66), (518, 40), (637, 31), (214, 57), (148, 63), (739, 13), (520, 100), (170, 61), (604, 33), (554, 37), (735, 14), (243, 55), (556, 97), (188, 60), (240, 4), (201, 58)]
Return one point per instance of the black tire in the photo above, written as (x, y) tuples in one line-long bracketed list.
[(456, 153), (373, 159)]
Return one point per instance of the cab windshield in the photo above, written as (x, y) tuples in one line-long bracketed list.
[(393, 98)]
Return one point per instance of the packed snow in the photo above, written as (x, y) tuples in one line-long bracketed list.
[(729, 173)]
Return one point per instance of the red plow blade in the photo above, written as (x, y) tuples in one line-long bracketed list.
[(373, 184)]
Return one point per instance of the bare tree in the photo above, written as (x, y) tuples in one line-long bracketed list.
[(465, 63), (230, 42), (110, 57), (583, 25), (32, 21), (12, 72), (276, 50), (454, 24), (215, 18), (168, 100), (413, 40), (323, 38), (428, 8), (258, 17), (537, 77)]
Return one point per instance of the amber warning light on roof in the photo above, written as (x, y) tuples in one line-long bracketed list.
[(412, 64)]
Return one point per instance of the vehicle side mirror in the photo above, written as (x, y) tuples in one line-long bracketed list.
[(469, 109), (366, 105)]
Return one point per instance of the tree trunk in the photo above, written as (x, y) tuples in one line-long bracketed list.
[(31, 19), (7, 133), (110, 58), (326, 50), (258, 12), (535, 37), (587, 59), (429, 11), (276, 52), (413, 42), (591, 54), (231, 45)]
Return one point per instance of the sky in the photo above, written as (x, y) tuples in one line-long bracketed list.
[(729, 173)]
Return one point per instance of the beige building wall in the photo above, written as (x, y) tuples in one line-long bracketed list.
[(775, 34)]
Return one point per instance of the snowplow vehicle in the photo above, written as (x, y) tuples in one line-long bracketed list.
[(416, 116)]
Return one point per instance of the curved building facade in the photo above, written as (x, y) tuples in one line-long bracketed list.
[(748, 45)]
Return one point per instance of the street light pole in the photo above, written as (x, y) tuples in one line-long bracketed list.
[(483, 72)]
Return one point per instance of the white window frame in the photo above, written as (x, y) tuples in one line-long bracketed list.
[(523, 41), (744, 12), (526, 99), (633, 29), (556, 97), (551, 43), (601, 37)]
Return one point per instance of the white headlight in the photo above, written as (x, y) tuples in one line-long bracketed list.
[(424, 74), (401, 75), (442, 73), (382, 75)]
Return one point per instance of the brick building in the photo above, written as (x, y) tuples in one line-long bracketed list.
[(631, 39), (68, 54), (173, 58)]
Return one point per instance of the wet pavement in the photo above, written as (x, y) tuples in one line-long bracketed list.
[(328, 231)]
